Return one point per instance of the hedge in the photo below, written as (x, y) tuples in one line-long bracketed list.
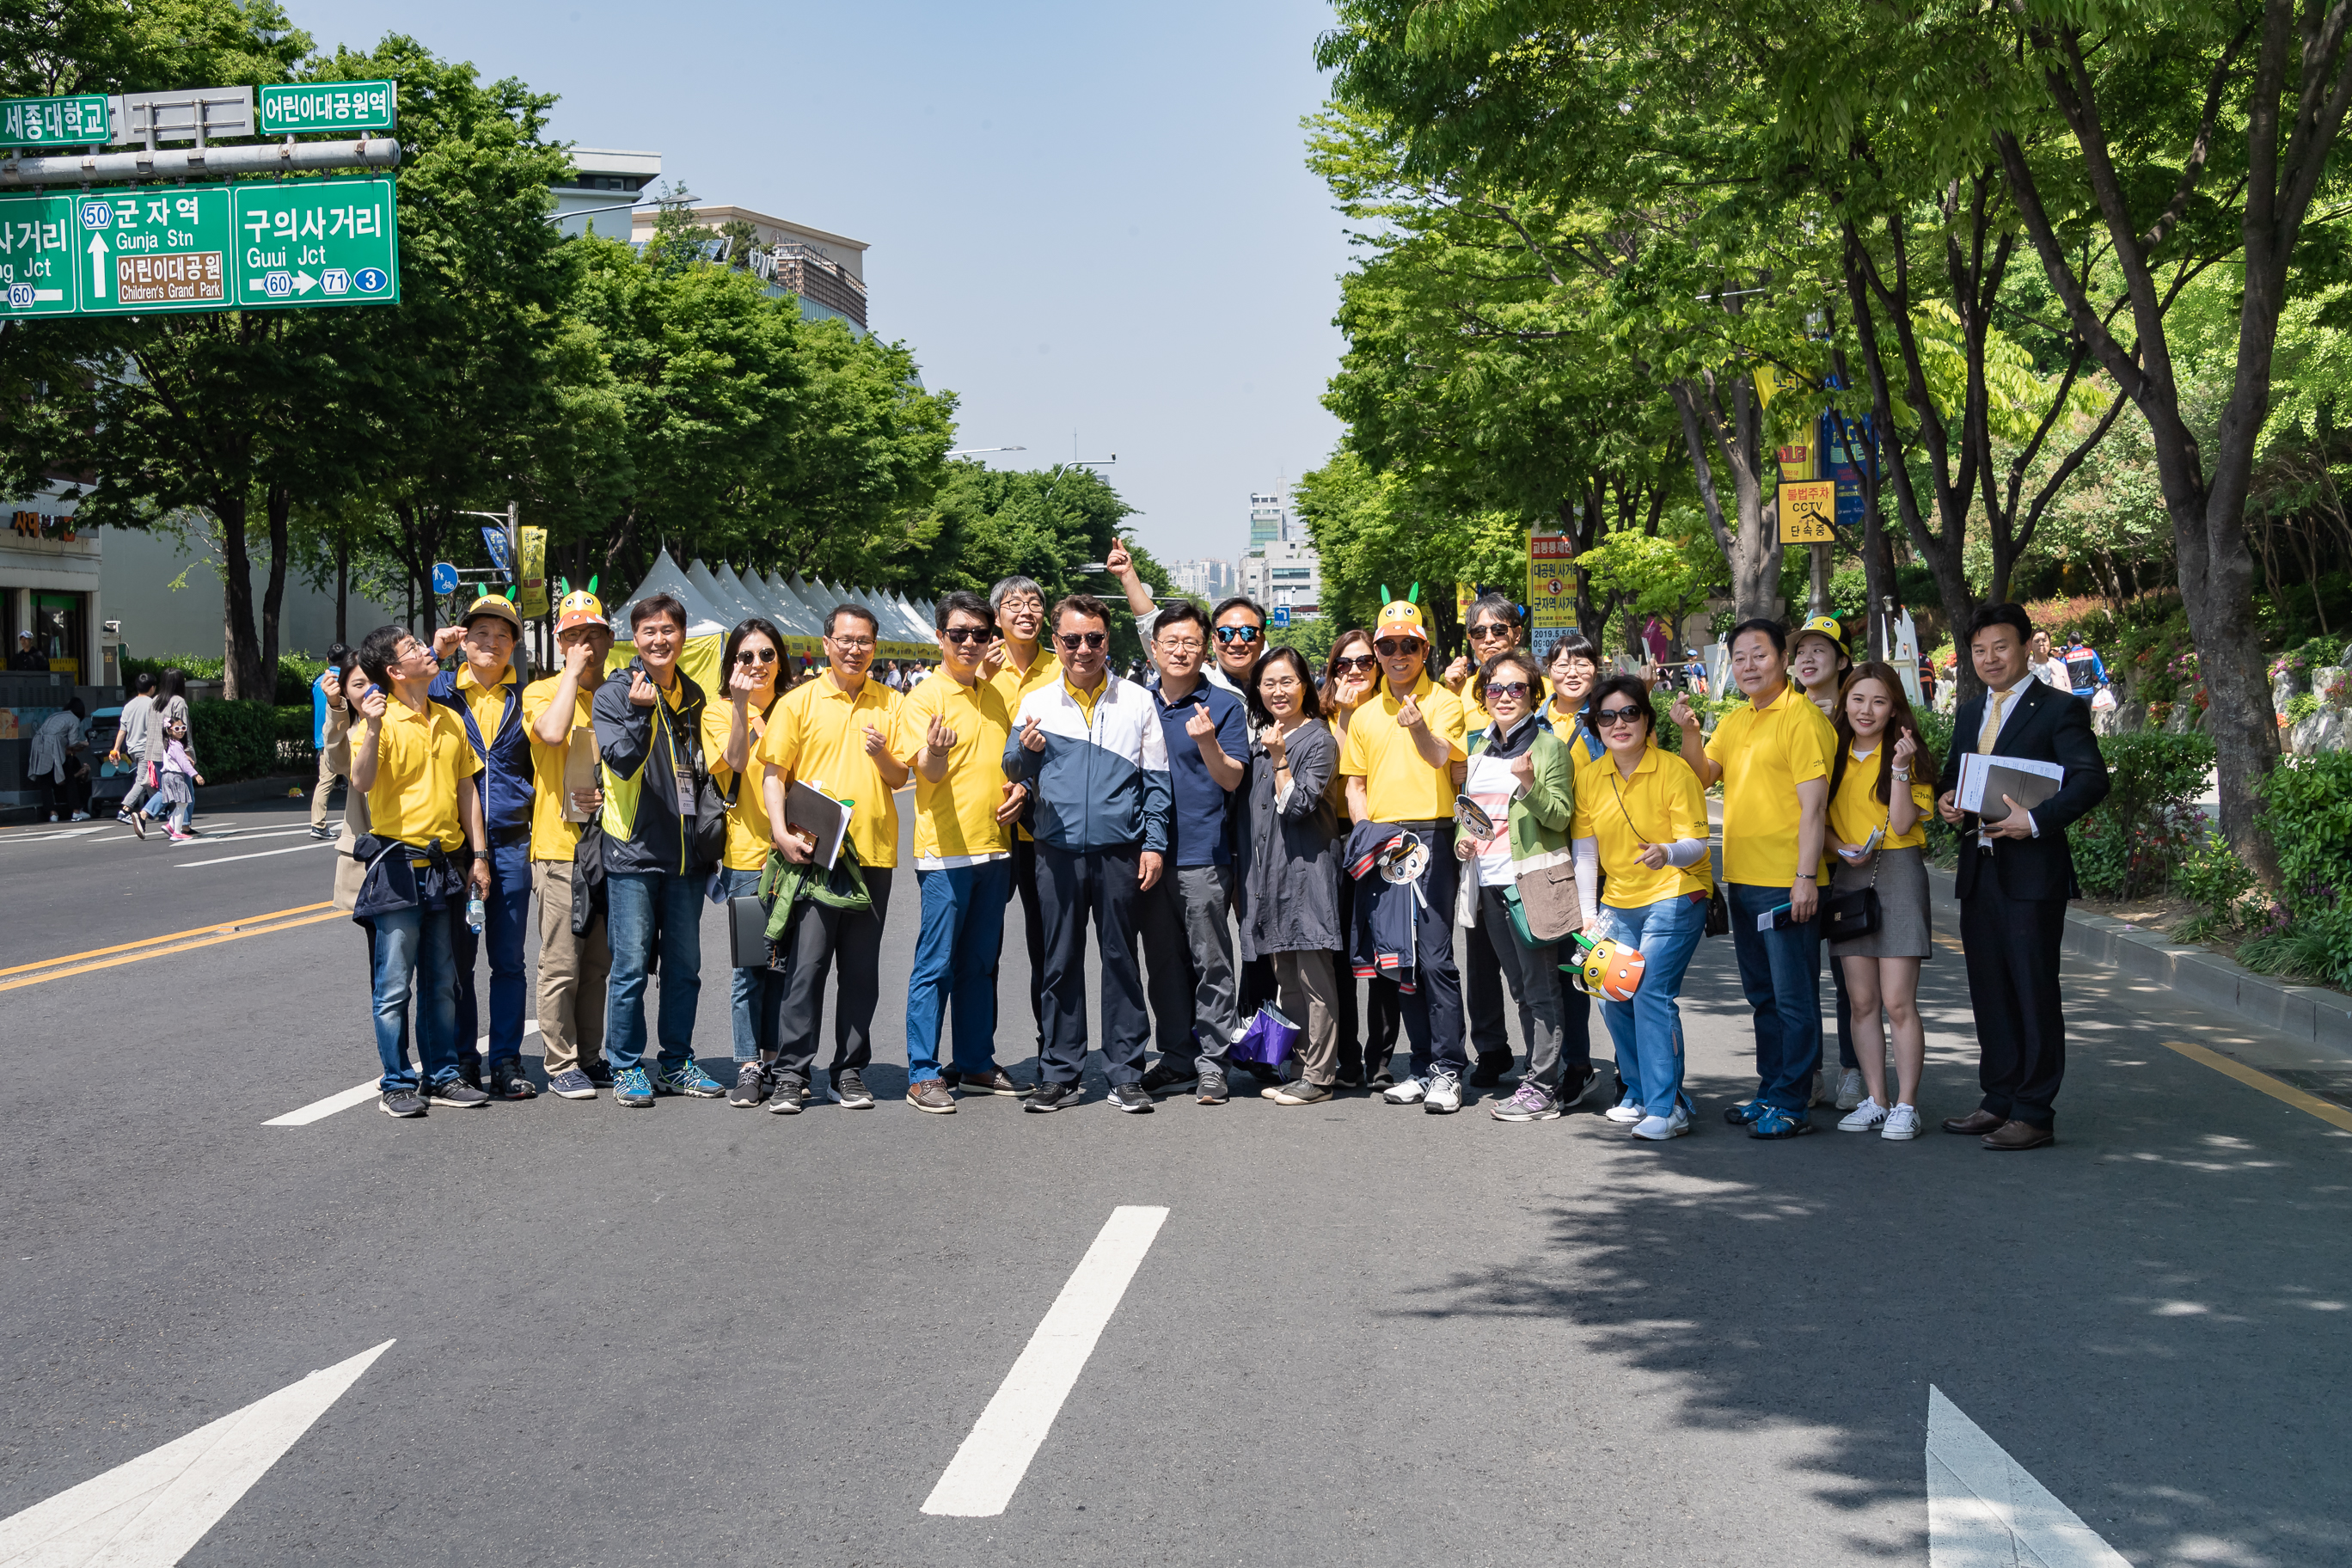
[(2134, 842), (2307, 806), (250, 740), (295, 671)]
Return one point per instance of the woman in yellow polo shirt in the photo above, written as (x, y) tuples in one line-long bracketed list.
[(1640, 818), (1881, 787), (732, 732)]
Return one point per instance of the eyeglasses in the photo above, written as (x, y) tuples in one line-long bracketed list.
[(962, 635), (1285, 684), (1396, 648), (851, 645), (1355, 663), (1608, 718), (1176, 644), (1238, 634), (1507, 688), (1074, 640), (1488, 630), (1574, 665)]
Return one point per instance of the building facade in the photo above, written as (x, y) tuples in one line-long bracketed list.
[(1208, 579), (1285, 574)]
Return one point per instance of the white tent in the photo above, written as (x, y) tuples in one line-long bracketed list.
[(716, 593), (706, 624)]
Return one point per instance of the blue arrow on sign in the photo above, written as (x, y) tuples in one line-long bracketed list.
[(445, 577), (1282, 615)]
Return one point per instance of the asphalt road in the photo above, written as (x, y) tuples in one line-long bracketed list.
[(1362, 1335)]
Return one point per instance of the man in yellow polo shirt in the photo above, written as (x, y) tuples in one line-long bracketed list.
[(1403, 761), (953, 728), (574, 967), (1773, 758), (412, 760), (1018, 664), (833, 734)]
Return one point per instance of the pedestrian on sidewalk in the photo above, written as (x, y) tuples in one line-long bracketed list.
[(412, 762), (1095, 759), (326, 696), (2015, 874), (731, 733), (834, 735), (57, 761), (1643, 879), (1366, 1036), (1287, 867), (1819, 661), (953, 728), (575, 956), (129, 747), (658, 862), (1881, 787), (1773, 757)]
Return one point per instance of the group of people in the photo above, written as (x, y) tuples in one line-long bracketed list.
[(1244, 837)]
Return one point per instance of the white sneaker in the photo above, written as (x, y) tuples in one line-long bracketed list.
[(82, 816), (1821, 1095), (1902, 1122), (1626, 1112), (1868, 1117), (1406, 1091), (1658, 1129), (1850, 1090), (1444, 1096)]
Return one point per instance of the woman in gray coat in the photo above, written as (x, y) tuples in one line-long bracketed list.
[(1290, 867)]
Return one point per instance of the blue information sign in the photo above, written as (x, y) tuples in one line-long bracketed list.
[(445, 577)]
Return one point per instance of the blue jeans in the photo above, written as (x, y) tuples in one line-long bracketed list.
[(506, 918), (754, 1022), (955, 960), (413, 955), (1780, 971), (635, 901), (1648, 1030)]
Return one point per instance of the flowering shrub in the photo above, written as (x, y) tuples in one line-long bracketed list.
[(2135, 841)]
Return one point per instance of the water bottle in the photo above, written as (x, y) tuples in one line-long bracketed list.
[(474, 913)]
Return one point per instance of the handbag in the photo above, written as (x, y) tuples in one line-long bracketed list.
[(1543, 905), (1849, 915), (1267, 1040), (1718, 912)]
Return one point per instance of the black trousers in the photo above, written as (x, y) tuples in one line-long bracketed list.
[(2012, 954), (1033, 928), (821, 935), (1432, 1012), (1071, 888), (1367, 1036)]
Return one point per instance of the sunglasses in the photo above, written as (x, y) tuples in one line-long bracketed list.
[(1507, 688), (1074, 640), (1607, 717), (1356, 664), (962, 635), (1238, 634), (755, 656), (1396, 648), (1488, 630)]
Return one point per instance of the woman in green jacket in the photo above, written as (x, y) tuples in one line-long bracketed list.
[(1524, 780)]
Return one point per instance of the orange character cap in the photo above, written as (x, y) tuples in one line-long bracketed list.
[(1399, 618)]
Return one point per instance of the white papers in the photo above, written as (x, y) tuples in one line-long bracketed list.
[(820, 816), (580, 764), (2022, 780), (1858, 853), (1764, 922)]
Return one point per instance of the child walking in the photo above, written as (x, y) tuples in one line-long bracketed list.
[(175, 790)]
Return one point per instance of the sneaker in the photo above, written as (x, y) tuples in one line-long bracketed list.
[(176, 836), (1213, 1087), (323, 832), (787, 1094), (123, 817), (1406, 1092), (458, 1091), (1347, 1077), (1492, 1066), (598, 1072), (687, 1078), (1658, 1129), (571, 1084), (1626, 1112), (1380, 1078), (1299, 1093), (631, 1088), (53, 816), (80, 816), (994, 1081), (1851, 1089), (1533, 1102), (509, 1081), (139, 823), (1129, 1098), (1774, 1122), (1444, 1096), (1744, 1114), (1573, 1091), (1163, 1077), (751, 1084), (469, 1067), (849, 1088), (1867, 1117), (1902, 1124), (1821, 1095), (401, 1102), (1052, 1097), (931, 1094)]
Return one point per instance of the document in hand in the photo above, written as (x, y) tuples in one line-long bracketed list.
[(1985, 780), (580, 760), (819, 815)]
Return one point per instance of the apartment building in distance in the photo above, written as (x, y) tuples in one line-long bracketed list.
[(1209, 579), (1287, 574)]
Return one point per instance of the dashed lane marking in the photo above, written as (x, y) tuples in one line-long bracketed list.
[(258, 854), (361, 1093), (987, 1471)]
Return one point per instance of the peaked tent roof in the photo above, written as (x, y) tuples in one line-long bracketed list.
[(753, 589), (665, 576)]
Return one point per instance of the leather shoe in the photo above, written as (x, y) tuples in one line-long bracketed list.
[(2013, 1136), (1978, 1123)]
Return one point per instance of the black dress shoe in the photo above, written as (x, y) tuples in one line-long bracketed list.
[(1975, 1123), (2011, 1137), (1490, 1069)]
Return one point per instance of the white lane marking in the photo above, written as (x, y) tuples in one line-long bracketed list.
[(986, 1471), (150, 1512), (258, 855), (1984, 1508), (358, 1094)]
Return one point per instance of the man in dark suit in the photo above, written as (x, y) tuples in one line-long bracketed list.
[(2015, 877)]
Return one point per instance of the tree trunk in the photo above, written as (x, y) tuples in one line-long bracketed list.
[(1749, 537), (242, 678), (342, 587), (280, 501)]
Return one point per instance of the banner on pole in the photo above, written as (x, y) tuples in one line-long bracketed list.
[(534, 572)]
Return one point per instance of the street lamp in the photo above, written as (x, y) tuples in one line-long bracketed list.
[(976, 451)]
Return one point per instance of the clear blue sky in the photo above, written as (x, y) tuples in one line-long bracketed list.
[(1082, 214)]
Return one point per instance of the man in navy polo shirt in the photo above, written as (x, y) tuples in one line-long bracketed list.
[(486, 695), (1188, 937)]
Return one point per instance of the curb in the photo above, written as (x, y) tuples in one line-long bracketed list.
[(245, 791), (2308, 1014)]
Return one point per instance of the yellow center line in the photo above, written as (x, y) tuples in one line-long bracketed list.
[(156, 947), (2286, 1093), (214, 929)]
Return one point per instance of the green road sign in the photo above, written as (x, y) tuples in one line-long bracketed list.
[(80, 120), (327, 106), (316, 242), (37, 254), (166, 248)]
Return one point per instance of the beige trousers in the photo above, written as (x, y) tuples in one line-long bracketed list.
[(1310, 999), (326, 787), (572, 971)]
